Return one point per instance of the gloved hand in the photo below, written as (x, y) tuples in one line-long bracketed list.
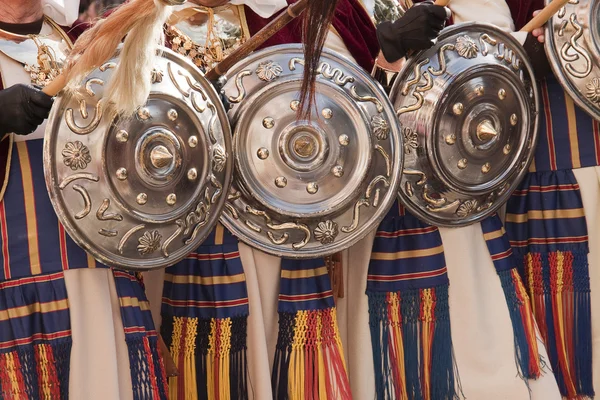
[(414, 31), (22, 109)]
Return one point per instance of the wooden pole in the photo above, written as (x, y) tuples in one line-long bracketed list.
[(255, 41), (539, 20)]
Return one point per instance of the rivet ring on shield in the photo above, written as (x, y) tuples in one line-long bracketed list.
[(468, 109), (306, 189), (573, 49), (140, 192)]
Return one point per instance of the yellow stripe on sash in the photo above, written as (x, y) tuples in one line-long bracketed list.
[(304, 273), (30, 212), (546, 214), (573, 139), (407, 254), (24, 311), (205, 280)]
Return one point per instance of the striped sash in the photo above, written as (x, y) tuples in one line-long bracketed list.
[(148, 376), (519, 307), (546, 225), (407, 287), (568, 137), (35, 338), (205, 312), (309, 359)]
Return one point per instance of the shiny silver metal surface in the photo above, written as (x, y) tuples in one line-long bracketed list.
[(468, 108), (305, 189), (573, 49), (140, 192)]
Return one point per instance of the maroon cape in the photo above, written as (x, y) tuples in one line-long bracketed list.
[(351, 21), (522, 10)]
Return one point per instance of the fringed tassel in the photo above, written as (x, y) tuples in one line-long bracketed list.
[(147, 382), (39, 371), (412, 345), (309, 361), (526, 350), (210, 356), (558, 284)]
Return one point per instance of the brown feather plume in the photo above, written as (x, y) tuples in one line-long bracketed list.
[(317, 20)]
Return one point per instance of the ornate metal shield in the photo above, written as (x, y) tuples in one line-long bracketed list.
[(305, 189), (142, 192), (468, 107), (573, 49)]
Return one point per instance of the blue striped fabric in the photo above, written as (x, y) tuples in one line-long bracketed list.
[(26, 212), (148, 375), (547, 228), (34, 316), (304, 285), (407, 254), (568, 137), (546, 214), (209, 283)]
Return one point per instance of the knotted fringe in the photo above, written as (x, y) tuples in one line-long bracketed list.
[(412, 345), (210, 356), (309, 359), (146, 366), (559, 287), (39, 371), (526, 349)]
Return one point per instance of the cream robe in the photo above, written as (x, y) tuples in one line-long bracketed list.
[(99, 367), (482, 332)]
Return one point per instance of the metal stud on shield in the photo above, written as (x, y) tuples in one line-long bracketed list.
[(305, 189), (468, 108), (140, 192)]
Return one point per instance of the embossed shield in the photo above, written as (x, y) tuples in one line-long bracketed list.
[(573, 49), (468, 108), (305, 189), (140, 192)]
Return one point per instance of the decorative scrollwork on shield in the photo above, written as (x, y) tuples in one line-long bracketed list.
[(356, 216), (441, 60), (574, 45), (366, 98), (239, 83), (102, 215), (86, 199), (89, 128)]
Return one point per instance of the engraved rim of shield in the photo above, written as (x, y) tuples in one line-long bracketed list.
[(580, 74), (139, 230), (275, 73), (434, 149)]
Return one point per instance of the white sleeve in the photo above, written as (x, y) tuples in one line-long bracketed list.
[(495, 12)]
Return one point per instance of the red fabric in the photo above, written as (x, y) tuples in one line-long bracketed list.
[(351, 21), (522, 10)]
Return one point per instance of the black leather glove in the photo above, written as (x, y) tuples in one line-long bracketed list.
[(537, 57), (22, 109), (414, 31)]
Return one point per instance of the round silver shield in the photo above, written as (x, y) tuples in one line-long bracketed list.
[(468, 108), (573, 49), (309, 188), (140, 192)]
